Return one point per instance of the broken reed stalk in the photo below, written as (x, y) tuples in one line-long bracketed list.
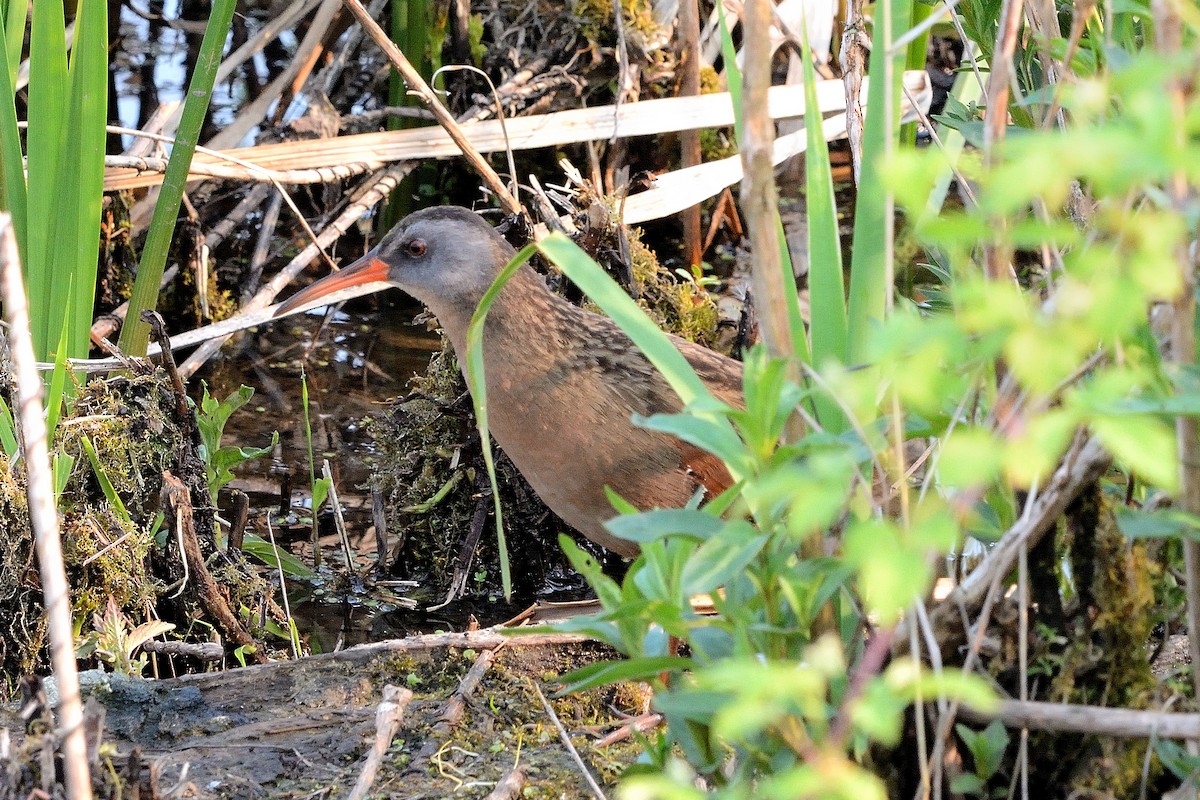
[(509, 787), (388, 717), (417, 84), (566, 740), (760, 201), (44, 516)]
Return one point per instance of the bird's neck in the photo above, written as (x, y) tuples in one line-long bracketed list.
[(517, 316)]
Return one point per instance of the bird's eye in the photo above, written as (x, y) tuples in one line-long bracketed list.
[(415, 247)]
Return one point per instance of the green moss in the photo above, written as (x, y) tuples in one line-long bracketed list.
[(1103, 657), (596, 19)]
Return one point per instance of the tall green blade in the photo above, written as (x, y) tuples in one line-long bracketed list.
[(48, 81), (135, 335), (15, 17), (826, 283), (82, 174), (12, 166), (869, 266), (733, 76)]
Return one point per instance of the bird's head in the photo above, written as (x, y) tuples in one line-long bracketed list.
[(446, 257)]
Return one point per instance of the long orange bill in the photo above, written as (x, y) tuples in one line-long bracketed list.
[(364, 276)]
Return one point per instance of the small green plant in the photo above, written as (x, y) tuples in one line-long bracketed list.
[(318, 487), (220, 461), (114, 639), (987, 748)]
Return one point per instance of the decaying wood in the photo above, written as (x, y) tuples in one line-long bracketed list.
[(177, 505), (1095, 720), (203, 651), (509, 787), (388, 717)]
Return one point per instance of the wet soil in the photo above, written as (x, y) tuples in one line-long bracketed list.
[(301, 728)]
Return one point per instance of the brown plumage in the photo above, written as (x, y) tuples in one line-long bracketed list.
[(563, 383)]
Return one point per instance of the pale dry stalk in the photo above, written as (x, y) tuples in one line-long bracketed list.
[(43, 515)]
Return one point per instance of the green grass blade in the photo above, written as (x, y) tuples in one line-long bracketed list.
[(792, 299), (106, 486), (62, 465), (15, 17), (48, 82), (611, 298), (870, 269), (82, 171), (135, 335), (826, 283), (8, 431), (12, 166), (477, 383), (733, 76), (58, 382)]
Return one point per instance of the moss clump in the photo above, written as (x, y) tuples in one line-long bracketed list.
[(596, 20), (22, 625), (1101, 656), (431, 471)]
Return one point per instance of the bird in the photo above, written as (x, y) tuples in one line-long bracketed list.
[(563, 383)]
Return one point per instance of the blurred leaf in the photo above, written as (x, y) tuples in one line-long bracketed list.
[(603, 673), (1162, 523)]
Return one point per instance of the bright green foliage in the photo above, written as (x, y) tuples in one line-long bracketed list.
[(219, 461), (135, 334), (56, 211), (987, 752), (1111, 273)]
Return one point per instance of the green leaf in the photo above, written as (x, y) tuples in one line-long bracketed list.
[(1183, 765), (733, 75), (826, 282), (603, 673), (722, 557), (1164, 523), (1146, 444), (275, 557), (8, 431), (891, 573), (82, 176), (320, 491), (63, 463), (48, 82), (13, 194), (135, 334), (870, 269), (987, 747), (650, 526), (110, 493)]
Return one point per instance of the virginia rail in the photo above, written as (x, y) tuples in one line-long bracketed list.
[(563, 383)]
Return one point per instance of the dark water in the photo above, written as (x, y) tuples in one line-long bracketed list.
[(353, 364)]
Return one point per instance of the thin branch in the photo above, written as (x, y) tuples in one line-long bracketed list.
[(43, 516), (417, 84)]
